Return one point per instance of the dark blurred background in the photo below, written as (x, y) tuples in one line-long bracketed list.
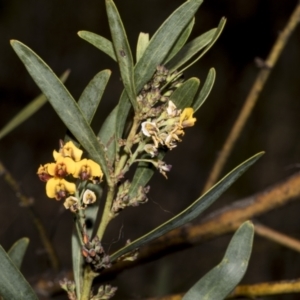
[(50, 27)]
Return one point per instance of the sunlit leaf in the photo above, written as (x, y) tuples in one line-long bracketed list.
[(99, 42), (17, 251), (142, 44), (28, 110), (193, 210), (184, 95), (206, 89), (122, 51), (63, 103), (13, 286), (222, 279)]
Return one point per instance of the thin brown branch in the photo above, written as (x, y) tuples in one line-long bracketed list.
[(223, 222), (277, 237), (27, 202), (266, 68), (253, 290)]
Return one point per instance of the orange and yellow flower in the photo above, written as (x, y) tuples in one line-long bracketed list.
[(59, 188), (186, 118), (63, 167), (68, 150), (87, 169)]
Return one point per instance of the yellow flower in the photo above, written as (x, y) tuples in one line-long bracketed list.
[(68, 150), (186, 118), (63, 166), (87, 169), (59, 188), (43, 173)]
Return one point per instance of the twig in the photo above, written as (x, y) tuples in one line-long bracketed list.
[(277, 237), (225, 221), (27, 202), (266, 68), (253, 290)]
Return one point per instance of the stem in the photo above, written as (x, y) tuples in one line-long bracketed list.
[(106, 215), (252, 98), (88, 278), (128, 146)]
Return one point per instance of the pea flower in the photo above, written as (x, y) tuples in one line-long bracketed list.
[(72, 204), (87, 169), (43, 173), (63, 167), (59, 188), (68, 150), (186, 118)]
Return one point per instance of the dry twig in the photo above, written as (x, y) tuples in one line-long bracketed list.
[(266, 68)]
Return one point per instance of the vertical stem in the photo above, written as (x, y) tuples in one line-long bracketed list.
[(106, 215), (252, 98), (88, 278)]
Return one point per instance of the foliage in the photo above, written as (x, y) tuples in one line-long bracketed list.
[(163, 104)]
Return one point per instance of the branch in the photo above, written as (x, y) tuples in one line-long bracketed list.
[(253, 290), (266, 68), (27, 202)]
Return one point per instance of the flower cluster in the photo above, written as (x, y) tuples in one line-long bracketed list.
[(68, 163), (165, 131)]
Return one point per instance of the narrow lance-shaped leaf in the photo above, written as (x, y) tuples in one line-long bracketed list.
[(193, 210), (184, 95), (211, 43), (92, 94), (142, 44), (222, 279), (17, 251), (77, 260), (206, 89), (122, 51), (63, 103), (28, 110), (107, 135), (13, 286), (180, 41), (163, 40), (190, 49), (158, 48), (99, 42)]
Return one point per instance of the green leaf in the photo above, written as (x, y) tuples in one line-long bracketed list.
[(157, 50), (77, 260), (92, 94), (99, 42), (163, 40), (13, 286), (122, 51), (193, 210), (211, 43), (206, 89), (190, 49), (142, 44), (222, 279), (17, 251), (107, 135), (143, 174), (28, 110), (180, 41), (184, 95), (63, 103)]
